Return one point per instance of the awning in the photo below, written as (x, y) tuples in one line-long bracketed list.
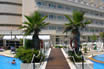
[(8, 37), (42, 37)]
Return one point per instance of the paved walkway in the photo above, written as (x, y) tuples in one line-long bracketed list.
[(57, 60), (7, 53)]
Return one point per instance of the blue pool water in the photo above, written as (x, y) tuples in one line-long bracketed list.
[(5, 63), (99, 65)]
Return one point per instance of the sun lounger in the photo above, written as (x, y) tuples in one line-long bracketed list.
[(1, 49), (13, 50)]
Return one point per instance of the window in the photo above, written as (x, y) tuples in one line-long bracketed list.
[(92, 30), (60, 28), (57, 40), (60, 7), (101, 30), (39, 3), (86, 29), (52, 5), (51, 16), (52, 27), (60, 17), (68, 8)]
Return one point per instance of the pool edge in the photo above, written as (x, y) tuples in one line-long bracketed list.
[(91, 58)]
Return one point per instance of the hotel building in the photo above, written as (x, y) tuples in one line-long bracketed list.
[(10, 19), (56, 9), (12, 16)]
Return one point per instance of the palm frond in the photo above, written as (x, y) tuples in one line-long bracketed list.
[(78, 16), (68, 24), (44, 24), (87, 22), (22, 27), (69, 28), (28, 31), (70, 20), (77, 22), (28, 24), (29, 18), (43, 18), (34, 23)]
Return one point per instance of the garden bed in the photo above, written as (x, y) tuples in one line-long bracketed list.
[(41, 65), (78, 65)]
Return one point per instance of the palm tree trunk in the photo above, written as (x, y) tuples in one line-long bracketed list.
[(36, 42), (77, 41)]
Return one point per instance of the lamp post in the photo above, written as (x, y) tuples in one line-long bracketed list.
[(66, 41), (11, 34), (82, 62)]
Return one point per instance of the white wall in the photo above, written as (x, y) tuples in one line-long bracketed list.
[(5, 8), (15, 1), (10, 19)]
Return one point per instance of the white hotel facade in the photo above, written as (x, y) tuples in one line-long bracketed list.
[(10, 20), (12, 16), (56, 9)]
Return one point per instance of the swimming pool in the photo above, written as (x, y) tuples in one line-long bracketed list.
[(99, 65), (5, 63)]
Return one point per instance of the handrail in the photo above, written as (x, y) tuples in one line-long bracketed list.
[(74, 61), (33, 58)]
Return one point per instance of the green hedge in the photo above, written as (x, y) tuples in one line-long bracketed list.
[(28, 44), (26, 55), (60, 47), (77, 57)]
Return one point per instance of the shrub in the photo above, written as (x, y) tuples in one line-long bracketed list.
[(85, 50), (28, 44), (80, 46), (77, 56), (26, 55), (77, 59), (60, 47)]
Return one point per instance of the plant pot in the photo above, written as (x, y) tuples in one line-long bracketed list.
[(87, 65), (30, 66)]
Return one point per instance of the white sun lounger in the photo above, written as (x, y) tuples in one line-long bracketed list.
[(1, 50)]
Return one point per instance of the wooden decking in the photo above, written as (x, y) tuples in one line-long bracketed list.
[(57, 60), (91, 58)]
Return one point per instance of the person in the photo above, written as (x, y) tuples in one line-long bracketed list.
[(13, 62)]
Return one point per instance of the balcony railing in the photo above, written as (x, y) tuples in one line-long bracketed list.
[(64, 11), (66, 2)]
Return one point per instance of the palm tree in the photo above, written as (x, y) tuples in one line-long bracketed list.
[(76, 23), (33, 25)]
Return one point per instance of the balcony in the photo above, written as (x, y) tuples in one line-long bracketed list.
[(96, 25), (89, 33), (62, 12), (59, 22), (72, 3)]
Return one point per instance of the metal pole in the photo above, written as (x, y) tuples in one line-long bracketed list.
[(23, 41), (82, 62), (11, 34)]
